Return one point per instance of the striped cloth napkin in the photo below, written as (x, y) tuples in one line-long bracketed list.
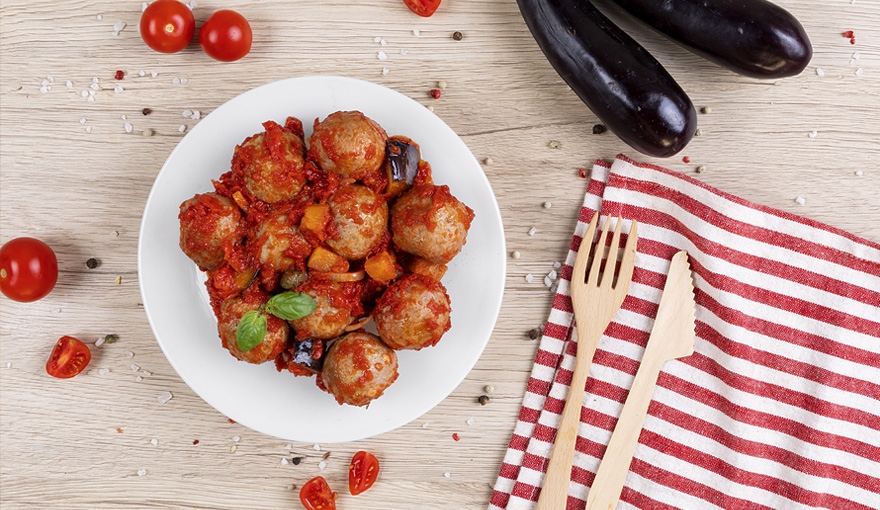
[(778, 407)]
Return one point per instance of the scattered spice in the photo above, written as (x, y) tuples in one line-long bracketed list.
[(457, 35), (92, 263), (483, 400), (110, 339), (435, 93), (515, 254), (120, 74), (118, 280), (326, 456), (455, 436), (195, 441), (489, 389), (148, 132), (488, 161), (582, 173), (547, 205), (118, 430), (534, 333), (296, 460), (849, 34), (598, 129), (800, 200), (147, 111), (705, 109), (554, 144), (441, 85), (230, 420), (701, 169), (686, 159), (698, 132)]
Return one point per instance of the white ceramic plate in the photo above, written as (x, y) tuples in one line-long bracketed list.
[(258, 396)]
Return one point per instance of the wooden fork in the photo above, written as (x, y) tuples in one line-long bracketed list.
[(596, 300)]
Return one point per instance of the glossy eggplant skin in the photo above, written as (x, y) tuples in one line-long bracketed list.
[(754, 38), (630, 92)]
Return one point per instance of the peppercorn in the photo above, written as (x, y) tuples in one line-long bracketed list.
[(598, 129), (120, 74), (92, 263), (296, 460), (705, 109), (483, 400), (435, 93), (457, 35), (111, 339), (147, 111), (534, 334)]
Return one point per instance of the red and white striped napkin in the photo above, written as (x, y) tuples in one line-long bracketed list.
[(778, 407)]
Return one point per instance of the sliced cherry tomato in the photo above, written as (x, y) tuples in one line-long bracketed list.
[(422, 7), (226, 36), (69, 357), (362, 472), (167, 26), (28, 269), (316, 495)]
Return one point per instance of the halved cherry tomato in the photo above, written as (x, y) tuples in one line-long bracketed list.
[(422, 7), (226, 36), (28, 269), (362, 472), (69, 357), (316, 495), (167, 26)]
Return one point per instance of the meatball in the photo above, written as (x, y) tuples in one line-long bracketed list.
[(351, 145), (271, 163), (231, 312), (359, 221), (209, 221), (278, 245), (413, 313), (429, 222), (358, 368), (338, 304)]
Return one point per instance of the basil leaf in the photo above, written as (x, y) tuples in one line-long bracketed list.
[(251, 330), (291, 305)]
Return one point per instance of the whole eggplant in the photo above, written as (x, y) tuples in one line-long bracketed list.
[(630, 92), (751, 37)]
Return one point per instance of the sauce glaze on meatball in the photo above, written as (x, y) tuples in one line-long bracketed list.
[(209, 221), (351, 145), (271, 163), (279, 245), (413, 313), (231, 311), (358, 368), (359, 221), (338, 304), (429, 222)]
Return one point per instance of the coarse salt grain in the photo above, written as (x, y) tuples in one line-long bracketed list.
[(856, 55), (384, 71), (99, 17), (547, 205), (134, 368), (164, 397), (154, 441), (94, 86), (859, 71), (382, 55), (322, 465), (142, 73), (129, 354), (425, 425), (557, 265), (447, 474), (403, 52), (142, 472), (182, 128), (284, 461), (416, 32), (69, 84), (138, 378), (104, 371), (553, 275), (820, 72), (288, 446), (85, 93), (118, 89), (147, 374), (530, 278), (547, 281), (532, 231), (237, 439), (471, 421), (800, 200), (154, 74), (859, 173), (118, 26), (196, 115), (813, 134), (8, 364), (187, 113), (377, 39), (128, 127), (82, 120), (88, 129), (175, 81), (383, 42), (317, 447)]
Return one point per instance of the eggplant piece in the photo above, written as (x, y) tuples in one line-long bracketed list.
[(402, 163), (624, 86), (303, 355), (754, 38)]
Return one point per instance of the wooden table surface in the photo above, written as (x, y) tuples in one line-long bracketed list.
[(72, 175)]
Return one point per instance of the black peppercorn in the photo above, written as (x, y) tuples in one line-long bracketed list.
[(483, 400), (296, 460), (457, 35), (92, 263), (146, 111), (598, 129), (534, 334)]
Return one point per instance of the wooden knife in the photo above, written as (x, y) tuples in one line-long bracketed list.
[(672, 336)]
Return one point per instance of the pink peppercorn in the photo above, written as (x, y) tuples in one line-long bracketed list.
[(435, 93)]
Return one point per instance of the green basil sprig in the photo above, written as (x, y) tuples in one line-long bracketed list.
[(251, 330), (253, 325), (291, 305)]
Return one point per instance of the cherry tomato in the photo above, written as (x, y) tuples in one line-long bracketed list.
[(68, 358), (226, 36), (28, 269), (316, 495), (167, 26), (422, 7), (362, 472)]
